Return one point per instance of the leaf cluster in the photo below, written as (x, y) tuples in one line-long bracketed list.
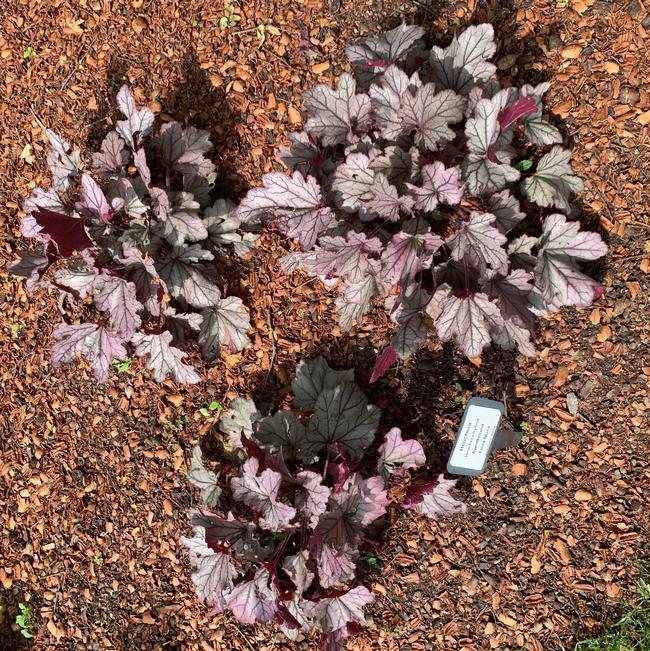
[(419, 180), (140, 239), (305, 513)]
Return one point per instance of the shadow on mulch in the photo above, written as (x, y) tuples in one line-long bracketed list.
[(194, 102)]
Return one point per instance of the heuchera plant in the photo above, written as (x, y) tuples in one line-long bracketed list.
[(140, 244), (407, 183), (304, 510)]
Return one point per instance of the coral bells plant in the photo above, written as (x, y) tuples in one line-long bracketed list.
[(420, 180), (303, 510), (140, 239)]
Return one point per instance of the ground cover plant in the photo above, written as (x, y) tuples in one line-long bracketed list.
[(141, 239), (419, 179), (304, 508)]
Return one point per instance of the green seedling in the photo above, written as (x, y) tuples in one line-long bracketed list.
[(24, 620), (98, 559), (459, 398), (524, 165), (563, 4), (17, 327), (122, 365), (28, 52), (195, 22), (229, 18), (370, 559), (213, 406)]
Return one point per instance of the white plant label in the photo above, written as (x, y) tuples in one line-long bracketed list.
[(475, 438)]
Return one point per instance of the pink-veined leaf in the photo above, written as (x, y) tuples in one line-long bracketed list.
[(62, 159), (519, 109), (206, 480), (335, 613), (112, 157), (30, 265), (412, 328), (296, 568), (506, 209), (336, 565), (92, 202)]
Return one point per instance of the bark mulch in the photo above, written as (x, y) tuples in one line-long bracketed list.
[(92, 495)]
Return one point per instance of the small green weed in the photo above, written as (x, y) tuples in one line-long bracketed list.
[(213, 406), (459, 398), (24, 620), (122, 365), (229, 18), (632, 631), (28, 52)]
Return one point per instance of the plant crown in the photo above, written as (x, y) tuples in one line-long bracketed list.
[(407, 184), (141, 247), (304, 512)]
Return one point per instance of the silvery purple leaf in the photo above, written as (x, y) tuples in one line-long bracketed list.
[(354, 299), (98, 345), (182, 222), (506, 209), (337, 115), (397, 455), (213, 580), (480, 243), (140, 162), (204, 479), (296, 568), (334, 614), (512, 293), (62, 159), (342, 415), (238, 420), (92, 202), (224, 327), (371, 56), (511, 335), (337, 256), (43, 199), (553, 181), (435, 501), (302, 155), (112, 157), (352, 182), (200, 187), (429, 114), (487, 167), (254, 601), (538, 130), (221, 223), (365, 500), (397, 164), (439, 185), (117, 297), (186, 278), (149, 286), (123, 196), (406, 252), (138, 123), (80, 281), (282, 431), (312, 377), (182, 325), (385, 201), (336, 565), (294, 203), (164, 359), (468, 321), (312, 500), (412, 327), (521, 252), (239, 536), (30, 265), (556, 272), (465, 62), (260, 493)]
